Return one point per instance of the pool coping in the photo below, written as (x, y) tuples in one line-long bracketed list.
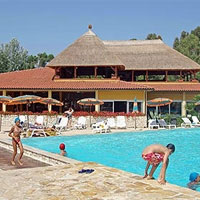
[(57, 160), (40, 155)]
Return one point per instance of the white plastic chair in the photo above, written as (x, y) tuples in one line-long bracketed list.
[(186, 123), (152, 124), (196, 121), (162, 123), (121, 122), (62, 124), (23, 118), (81, 123), (39, 121), (111, 122), (100, 127)]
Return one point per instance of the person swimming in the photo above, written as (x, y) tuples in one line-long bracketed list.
[(154, 155), (15, 133), (194, 181), (62, 150)]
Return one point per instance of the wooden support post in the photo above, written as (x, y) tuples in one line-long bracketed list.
[(4, 105), (147, 75), (116, 74), (97, 107), (195, 75), (181, 74), (49, 96), (75, 72), (166, 76), (20, 107), (95, 72), (133, 76), (183, 109), (60, 99)]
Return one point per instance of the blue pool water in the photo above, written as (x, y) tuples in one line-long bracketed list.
[(123, 150)]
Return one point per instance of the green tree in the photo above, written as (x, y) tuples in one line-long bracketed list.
[(32, 61), (189, 46), (153, 36), (176, 43), (184, 34), (193, 109), (196, 32), (43, 59), (13, 57)]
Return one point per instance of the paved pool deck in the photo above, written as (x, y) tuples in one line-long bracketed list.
[(62, 180)]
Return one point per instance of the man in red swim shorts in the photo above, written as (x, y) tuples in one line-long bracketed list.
[(154, 155)]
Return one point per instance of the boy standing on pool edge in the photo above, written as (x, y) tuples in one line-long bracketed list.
[(155, 154)]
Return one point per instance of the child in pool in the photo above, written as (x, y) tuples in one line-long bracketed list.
[(15, 133), (194, 181), (62, 150), (154, 154)]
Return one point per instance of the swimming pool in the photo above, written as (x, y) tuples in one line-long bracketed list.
[(123, 150)]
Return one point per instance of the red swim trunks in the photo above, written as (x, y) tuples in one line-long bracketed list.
[(153, 158)]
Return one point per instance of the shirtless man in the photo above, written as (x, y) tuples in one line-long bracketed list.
[(15, 135), (154, 154)]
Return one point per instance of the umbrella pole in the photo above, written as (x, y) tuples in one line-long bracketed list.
[(135, 120), (90, 115), (27, 115), (0, 122)]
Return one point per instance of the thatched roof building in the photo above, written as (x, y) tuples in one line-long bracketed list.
[(89, 50), (149, 55)]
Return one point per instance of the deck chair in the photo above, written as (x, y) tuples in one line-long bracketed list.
[(111, 122), (37, 129), (100, 127), (62, 125), (186, 123), (162, 124), (196, 121), (121, 122), (153, 124), (39, 123), (81, 123), (23, 121), (38, 132)]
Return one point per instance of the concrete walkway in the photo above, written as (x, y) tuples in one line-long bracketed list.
[(60, 182), (64, 182), (6, 155)]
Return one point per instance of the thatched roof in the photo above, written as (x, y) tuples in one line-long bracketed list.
[(150, 55), (88, 50)]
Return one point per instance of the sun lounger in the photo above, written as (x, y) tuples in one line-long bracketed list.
[(81, 123), (121, 122), (186, 123), (62, 125), (162, 124), (195, 122), (111, 122), (37, 132), (100, 127), (153, 124)]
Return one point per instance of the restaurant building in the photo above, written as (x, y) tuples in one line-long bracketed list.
[(113, 71)]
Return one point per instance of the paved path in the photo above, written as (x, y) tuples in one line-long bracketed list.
[(65, 183), (5, 157)]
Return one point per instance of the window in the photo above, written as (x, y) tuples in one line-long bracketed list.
[(107, 106), (139, 106), (175, 108), (120, 106)]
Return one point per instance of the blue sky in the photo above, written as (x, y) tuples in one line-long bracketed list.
[(51, 25)]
